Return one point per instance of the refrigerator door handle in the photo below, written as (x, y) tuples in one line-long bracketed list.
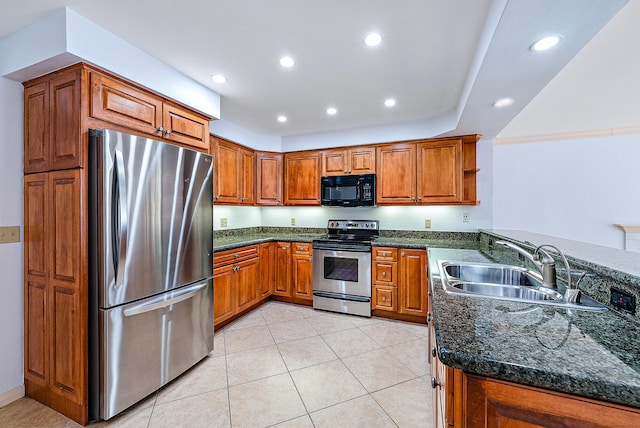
[(120, 201), (148, 307)]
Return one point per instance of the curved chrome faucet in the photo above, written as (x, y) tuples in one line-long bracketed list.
[(547, 267)]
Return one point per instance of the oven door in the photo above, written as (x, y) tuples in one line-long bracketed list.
[(342, 272)]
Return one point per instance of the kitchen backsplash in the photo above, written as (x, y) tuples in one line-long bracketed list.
[(409, 218)]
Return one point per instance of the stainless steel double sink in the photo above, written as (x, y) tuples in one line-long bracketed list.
[(504, 282)]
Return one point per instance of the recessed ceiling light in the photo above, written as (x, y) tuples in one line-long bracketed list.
[(373, 39), (546, 43), (503, 102), (286, 61), (389, 102), (218, 78), (282, 118), (331, 111)]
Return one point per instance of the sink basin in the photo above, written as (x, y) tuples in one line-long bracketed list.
[(508, 291), (504, 282), (492, 274)]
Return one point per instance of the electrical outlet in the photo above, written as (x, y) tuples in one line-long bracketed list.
[(623, 300), (427, 223), (9, 234), (465, 217), (223, 222), (293, 221)]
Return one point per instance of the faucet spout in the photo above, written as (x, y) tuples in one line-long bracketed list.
[(547, 267), (540, 259)]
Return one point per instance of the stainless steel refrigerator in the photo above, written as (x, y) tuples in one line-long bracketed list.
[(151, 267)]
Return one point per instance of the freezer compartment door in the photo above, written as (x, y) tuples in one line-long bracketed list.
[(153, 216), (148, 343)]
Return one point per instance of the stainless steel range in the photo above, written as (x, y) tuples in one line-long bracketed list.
[(342, 267)]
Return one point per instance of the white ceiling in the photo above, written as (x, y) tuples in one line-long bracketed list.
[(437, 57)]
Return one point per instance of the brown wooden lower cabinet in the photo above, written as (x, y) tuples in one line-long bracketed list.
[(267, 270), (399, 283), (55, 294), (470, 401), (282, 285), (495, 403), (301, 267), (235, 283)]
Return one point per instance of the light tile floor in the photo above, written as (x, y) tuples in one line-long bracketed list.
[(285, 365)]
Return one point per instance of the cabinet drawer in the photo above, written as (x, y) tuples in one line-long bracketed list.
[(384, 298), (385, 253), (301, 248), (223, 258), (385, 272)]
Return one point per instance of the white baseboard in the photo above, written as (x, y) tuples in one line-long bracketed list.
[(11, 395)]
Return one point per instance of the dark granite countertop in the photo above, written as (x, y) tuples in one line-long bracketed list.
[(404, 239), (591, 354)]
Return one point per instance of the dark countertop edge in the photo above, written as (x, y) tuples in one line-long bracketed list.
[(525, 375)]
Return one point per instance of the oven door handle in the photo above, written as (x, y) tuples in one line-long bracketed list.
[(341, 296)]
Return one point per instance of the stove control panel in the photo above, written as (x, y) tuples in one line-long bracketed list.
[(353, 224)]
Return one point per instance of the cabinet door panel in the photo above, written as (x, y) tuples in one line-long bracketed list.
[(229, 164), (245, 284), (302, 274), (68, 306), (36, 128), (223, 304), (396, 181), (185, 127), (65, 208), (66, 344), (362, 160), (65, 109), (248, 177), (36, 225), (283, 269), (302, 178), (269, 178), (440, 172), (334, 162), (266, 277), (413, 287), (115, 102), (35, 335)]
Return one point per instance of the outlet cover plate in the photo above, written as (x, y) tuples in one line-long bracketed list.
[(9, 234)]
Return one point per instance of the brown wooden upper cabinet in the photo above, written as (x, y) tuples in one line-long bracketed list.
[(268, 178), (235, 173), (117, 102), (428, 172), (52, 122), (302, 178), (354, 160)]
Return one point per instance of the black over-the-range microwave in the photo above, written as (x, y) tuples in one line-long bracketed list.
[(348, 190)]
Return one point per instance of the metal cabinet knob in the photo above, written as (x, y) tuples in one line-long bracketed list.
[(428, 317), (383, 253), (235, 256), (384, 298), (167, 132), (435, 383), (310, 259), (160, 129), (384, 274), (403, 254), (433, 351)]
